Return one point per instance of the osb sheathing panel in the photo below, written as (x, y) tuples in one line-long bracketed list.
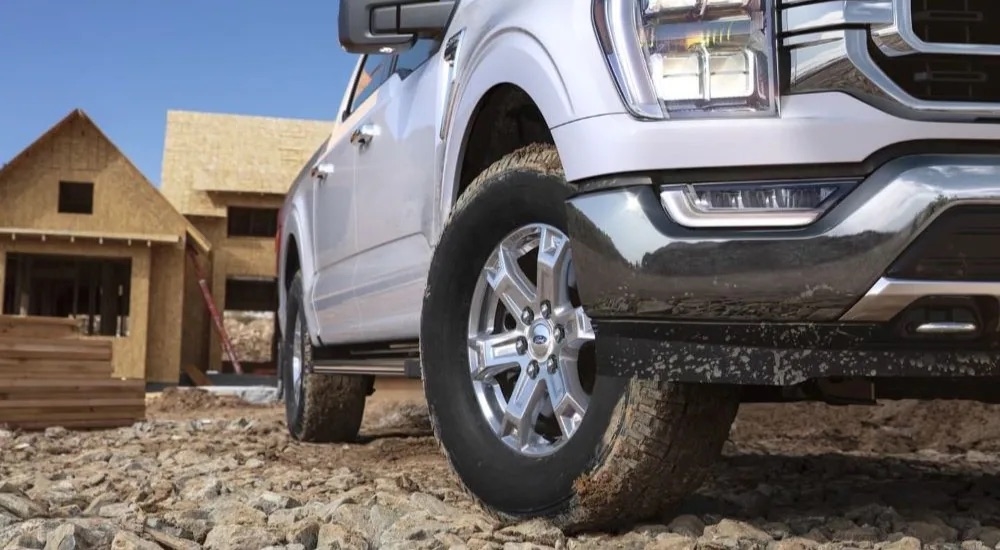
[(124, 201), (224, 152), (130, 359), (166, 298)]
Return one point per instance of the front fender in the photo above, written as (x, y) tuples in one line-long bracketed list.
[(560, 66), (294, 226)]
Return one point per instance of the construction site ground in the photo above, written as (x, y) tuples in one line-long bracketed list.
[(217, 472)]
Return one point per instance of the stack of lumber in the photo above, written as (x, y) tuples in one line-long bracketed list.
[(52, 376)]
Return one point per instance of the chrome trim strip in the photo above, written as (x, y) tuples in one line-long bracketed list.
[(890, 296), (904, 27), (678, 205), (946, 327), (811, 17)]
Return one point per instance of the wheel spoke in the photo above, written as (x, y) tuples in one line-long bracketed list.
[(522, 409), (569, 401), (578, 328), (553, 254), (509, 281), (495, 354)]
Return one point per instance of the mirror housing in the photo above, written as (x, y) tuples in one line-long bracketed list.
[(382, 26)]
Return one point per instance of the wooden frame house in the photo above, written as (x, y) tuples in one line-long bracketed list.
[(84, 234)]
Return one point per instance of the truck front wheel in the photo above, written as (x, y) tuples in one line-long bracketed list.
[(509, 371), (319, 408)]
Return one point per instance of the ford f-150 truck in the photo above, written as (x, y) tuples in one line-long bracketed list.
[(594, 227)]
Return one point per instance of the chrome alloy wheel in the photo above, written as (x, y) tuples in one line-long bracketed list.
[(531, 371), (297, 361)]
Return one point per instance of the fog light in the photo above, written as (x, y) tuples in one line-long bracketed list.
[(766, 204)]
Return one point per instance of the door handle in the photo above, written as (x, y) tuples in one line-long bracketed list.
[(321, 171), (364, 134)]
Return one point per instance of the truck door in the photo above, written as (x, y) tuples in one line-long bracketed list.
[(336, 210)]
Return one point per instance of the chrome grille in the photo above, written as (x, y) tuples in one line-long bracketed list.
[(956, 21), (943, 77)]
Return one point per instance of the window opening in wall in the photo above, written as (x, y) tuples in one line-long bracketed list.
[(249, 317), (251, 222), (94, 291), (76, 197)]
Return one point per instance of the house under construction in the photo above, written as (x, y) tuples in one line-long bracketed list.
[(228, 176), (84, 235)]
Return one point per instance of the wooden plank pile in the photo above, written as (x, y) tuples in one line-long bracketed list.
[(52, 376)]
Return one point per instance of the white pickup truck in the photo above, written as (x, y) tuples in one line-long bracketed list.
[(595, 227)]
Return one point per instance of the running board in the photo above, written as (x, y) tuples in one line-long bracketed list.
[(407, 368)]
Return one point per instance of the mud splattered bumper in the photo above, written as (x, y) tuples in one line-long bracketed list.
[(776, 307)]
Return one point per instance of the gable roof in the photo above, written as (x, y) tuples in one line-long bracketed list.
[(78, 115), (207, 156)]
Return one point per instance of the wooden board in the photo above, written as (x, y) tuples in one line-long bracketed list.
[(38, 327), (59, 378)]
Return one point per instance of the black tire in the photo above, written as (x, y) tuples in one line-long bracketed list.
[(641, 447), (325, 408)]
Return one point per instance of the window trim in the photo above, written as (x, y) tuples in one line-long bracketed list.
[(393, 62)]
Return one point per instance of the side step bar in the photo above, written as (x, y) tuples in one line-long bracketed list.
[(407, 368)]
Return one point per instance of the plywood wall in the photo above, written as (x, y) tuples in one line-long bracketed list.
[(206, 152)]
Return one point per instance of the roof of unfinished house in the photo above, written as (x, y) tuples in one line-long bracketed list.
[(208, 155)]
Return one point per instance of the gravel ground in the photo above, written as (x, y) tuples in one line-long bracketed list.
[(213, 472)]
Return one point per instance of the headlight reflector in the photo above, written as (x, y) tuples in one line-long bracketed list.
[(765, 204), (676, 58)]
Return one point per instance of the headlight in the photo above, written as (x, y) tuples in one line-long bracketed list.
[(764, 204), (676, 58)]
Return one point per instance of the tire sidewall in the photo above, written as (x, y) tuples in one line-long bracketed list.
[(504, 479), (294, 404)]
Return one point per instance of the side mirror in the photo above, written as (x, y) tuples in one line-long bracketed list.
[(382, 26)]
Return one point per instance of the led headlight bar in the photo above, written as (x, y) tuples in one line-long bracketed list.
[(764, 204), (690, 58)]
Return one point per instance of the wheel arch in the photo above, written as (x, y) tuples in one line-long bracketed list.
[(295, 257), (506, 100)]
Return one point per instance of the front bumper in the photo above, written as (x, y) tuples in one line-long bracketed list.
[(781, 306)]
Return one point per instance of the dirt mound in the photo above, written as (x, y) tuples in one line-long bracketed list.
[(890, 427), (182, 400)]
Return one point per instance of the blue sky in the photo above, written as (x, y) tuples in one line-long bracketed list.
[(126, 62)]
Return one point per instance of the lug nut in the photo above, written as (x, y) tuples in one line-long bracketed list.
[(552, 364), (546, 309), (522, 345), (533, 370), (560, 333), (527, 315)]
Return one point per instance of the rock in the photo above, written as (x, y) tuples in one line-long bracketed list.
[(234, 512), (63, 537), (989, 535), (172, 542), (201, 488), (931, 532), (21, 507), (239, 537), (268, 502), (904, 543), (537, 531), (671, 541), (794, 543), (687, 525), (338, 537), (305, 533), (116, 510), (736, 531), (128, 541), (974, 545)]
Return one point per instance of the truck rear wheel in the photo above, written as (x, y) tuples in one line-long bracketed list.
[(509, 370), (319, 408)]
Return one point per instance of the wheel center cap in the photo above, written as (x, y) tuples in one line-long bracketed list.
[(540, 340)]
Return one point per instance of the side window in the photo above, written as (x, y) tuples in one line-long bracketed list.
[(374, 72), (411, 59)]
